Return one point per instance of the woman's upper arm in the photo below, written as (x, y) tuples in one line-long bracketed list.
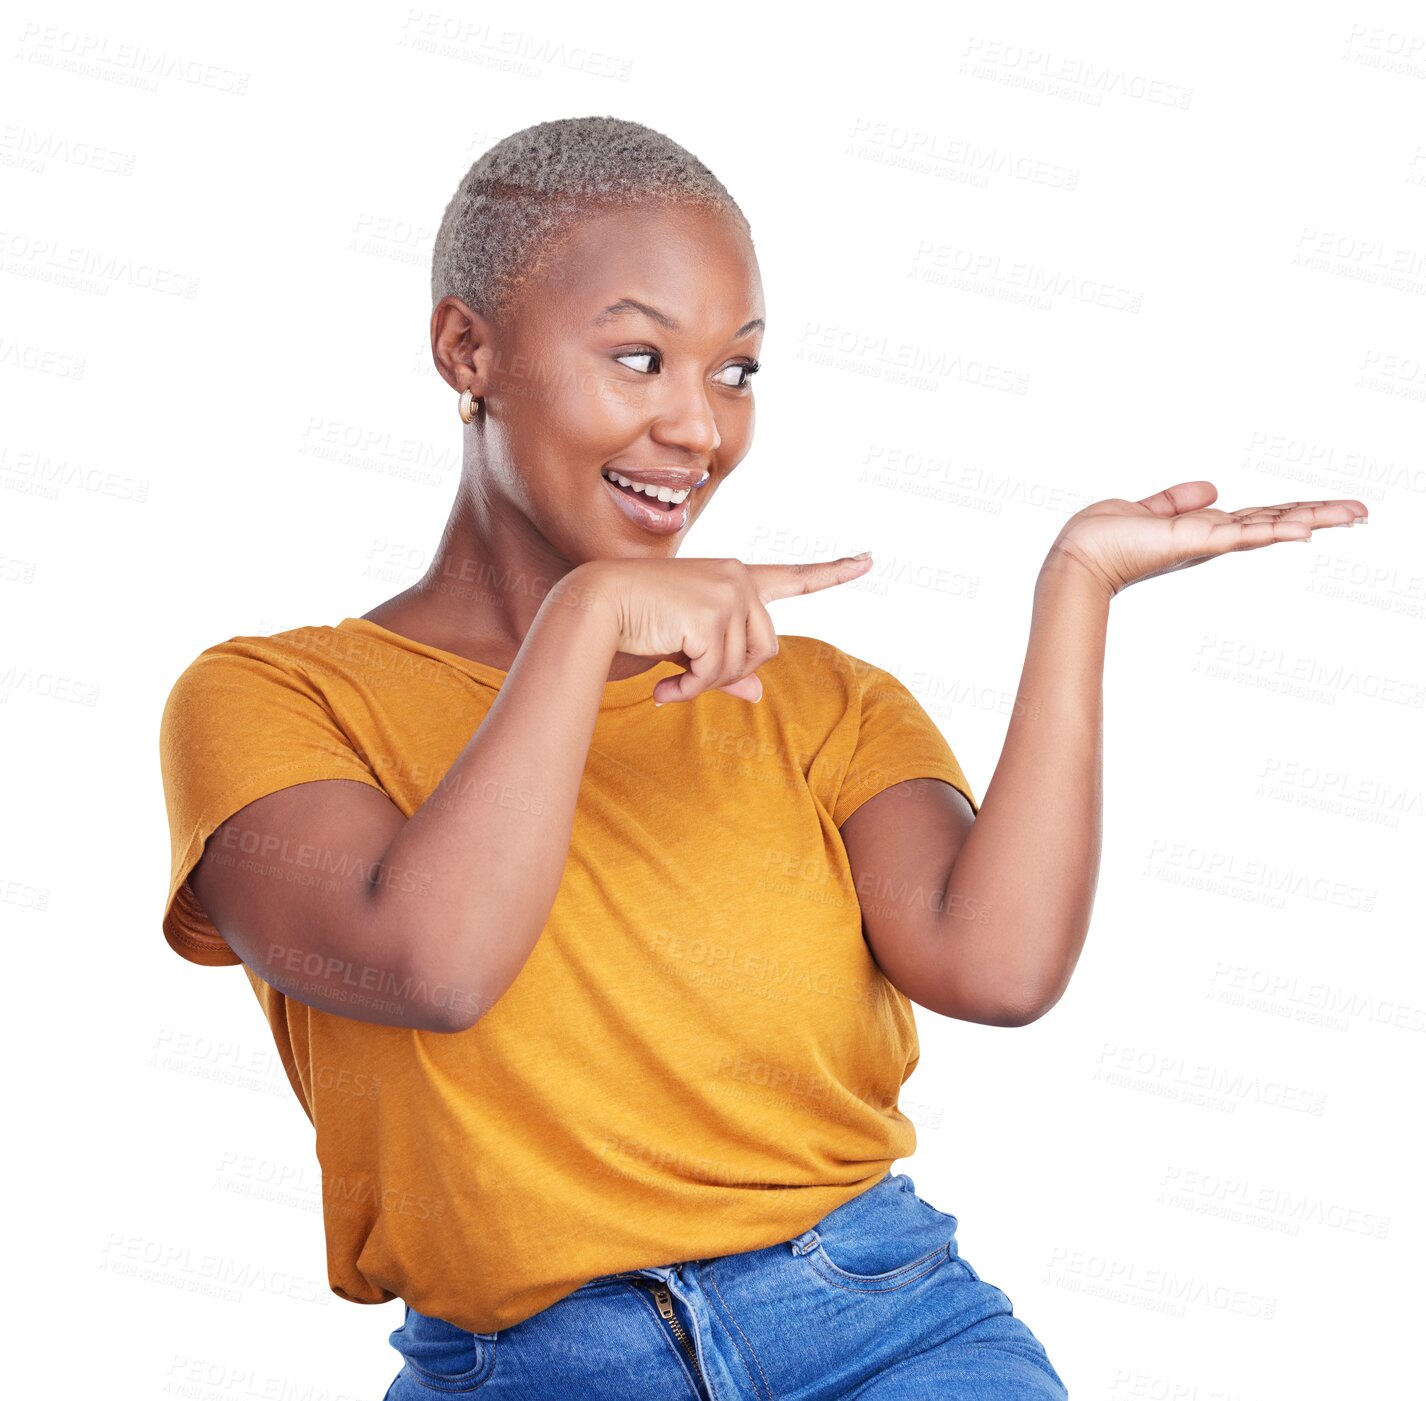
[(901, 845), (288, 882)]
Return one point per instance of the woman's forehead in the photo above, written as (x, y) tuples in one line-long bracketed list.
[(680, 274)]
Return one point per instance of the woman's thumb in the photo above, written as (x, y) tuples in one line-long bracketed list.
[(748, 688)]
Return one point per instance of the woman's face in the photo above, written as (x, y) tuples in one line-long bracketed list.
[(627, 351)]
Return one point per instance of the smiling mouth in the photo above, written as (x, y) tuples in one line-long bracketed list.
[(648, 512), (668, 498)]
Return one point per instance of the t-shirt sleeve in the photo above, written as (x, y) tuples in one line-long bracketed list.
[(235, 727), (896, 740)]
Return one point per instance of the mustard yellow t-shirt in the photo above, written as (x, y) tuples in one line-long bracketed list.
[(700, 1056)]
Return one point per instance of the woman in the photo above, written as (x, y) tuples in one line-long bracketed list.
[(601, 1015)]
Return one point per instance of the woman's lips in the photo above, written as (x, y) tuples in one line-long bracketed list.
[(657, 519)]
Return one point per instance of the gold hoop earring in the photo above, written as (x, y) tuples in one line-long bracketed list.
[(469, 406)]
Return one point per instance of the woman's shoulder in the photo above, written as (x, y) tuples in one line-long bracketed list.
[(246, 663), (816, 657), (288, 646), (820, 669)]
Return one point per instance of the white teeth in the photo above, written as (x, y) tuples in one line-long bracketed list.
[(660, 493)]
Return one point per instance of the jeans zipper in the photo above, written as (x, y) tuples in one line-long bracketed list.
[(664, 1302)]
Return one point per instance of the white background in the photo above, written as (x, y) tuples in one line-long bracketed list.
[(1162, 246)]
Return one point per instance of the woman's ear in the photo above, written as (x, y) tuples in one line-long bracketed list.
[(462, 345)]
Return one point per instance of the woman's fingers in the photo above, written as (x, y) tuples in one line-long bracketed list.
[(762, 636), (735, 652), (1195, 496), (746, 647), (708, 667), (1256, 526), (1185, 496), (761, 646), (788, 580), (1313, 513), (1297, 505), (709, 615), (750, 688), (703, 669), (748, 636)]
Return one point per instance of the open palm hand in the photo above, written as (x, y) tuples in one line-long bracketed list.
[(1120, 542)]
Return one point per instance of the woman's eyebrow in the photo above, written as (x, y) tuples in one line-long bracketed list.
[(625, 305)]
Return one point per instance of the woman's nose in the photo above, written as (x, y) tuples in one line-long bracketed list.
[(687, 419)]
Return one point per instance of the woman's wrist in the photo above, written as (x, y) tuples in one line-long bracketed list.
[(1065, 570), (581, 592)]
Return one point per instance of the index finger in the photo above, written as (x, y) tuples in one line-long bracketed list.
[(788, 580)]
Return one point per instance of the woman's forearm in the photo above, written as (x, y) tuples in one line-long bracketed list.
[(1019, 897), (491, 841)]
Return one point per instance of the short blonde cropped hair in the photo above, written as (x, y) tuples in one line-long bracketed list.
[(529, 189)]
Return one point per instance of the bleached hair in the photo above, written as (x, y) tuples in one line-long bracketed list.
[(530, 188)]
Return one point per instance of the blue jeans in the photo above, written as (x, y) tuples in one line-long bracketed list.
[(874, 1303)]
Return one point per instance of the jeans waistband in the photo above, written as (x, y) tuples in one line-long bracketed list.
[(849, 1215)]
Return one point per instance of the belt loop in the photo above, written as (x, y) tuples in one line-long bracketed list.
[(806, 1241)]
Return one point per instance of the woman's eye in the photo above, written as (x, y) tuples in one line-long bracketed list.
[(748, 368)]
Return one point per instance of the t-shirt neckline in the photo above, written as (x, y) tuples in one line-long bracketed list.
[(628, 690)]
